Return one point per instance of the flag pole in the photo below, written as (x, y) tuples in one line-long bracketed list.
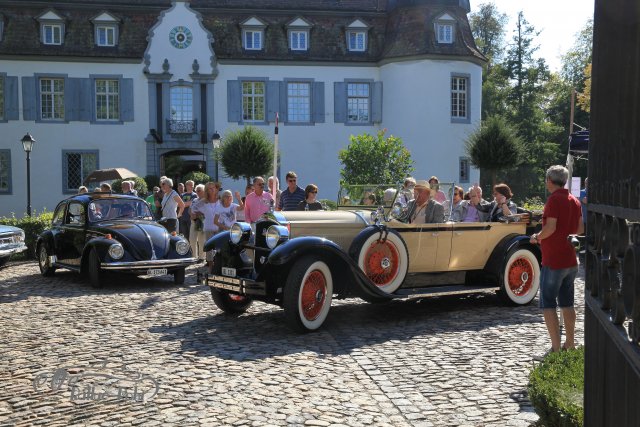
[(275, 161)]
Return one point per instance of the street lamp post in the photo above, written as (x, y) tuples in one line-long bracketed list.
[(215, 140), (27, 145)]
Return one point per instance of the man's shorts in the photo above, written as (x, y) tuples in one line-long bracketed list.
[(556, 287)]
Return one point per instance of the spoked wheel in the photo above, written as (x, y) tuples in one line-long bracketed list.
[(521, 277), (46, 269), (178, 276), (95, 275), (308, 294), (384, 261), (232, 304)]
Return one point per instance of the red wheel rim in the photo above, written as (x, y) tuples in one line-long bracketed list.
[(381, 262), (313, 294), (520, 276)]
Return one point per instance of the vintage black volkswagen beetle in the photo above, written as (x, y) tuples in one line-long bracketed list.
[(96, 232), (11, 242), (302, 260)]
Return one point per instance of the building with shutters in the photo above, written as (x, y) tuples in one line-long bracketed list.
[(144, 84)]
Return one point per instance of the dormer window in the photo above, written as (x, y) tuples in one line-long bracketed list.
[(357, 36), (105, 35), (51, 28), (298, 30), (106, 29), (253, 34), (445, 29)]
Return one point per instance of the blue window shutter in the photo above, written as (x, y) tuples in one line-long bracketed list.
[(83, 99), (71, 100), (234, 101), (126, 100), (273, 100), (376, 103), (340, 102), (283, 102), (317, 106), (12, 111), (29, 94)]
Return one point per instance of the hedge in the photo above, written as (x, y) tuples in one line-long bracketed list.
[(556, 388), (33, 226)]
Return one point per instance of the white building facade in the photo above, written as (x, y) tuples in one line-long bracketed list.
[(107, 84)]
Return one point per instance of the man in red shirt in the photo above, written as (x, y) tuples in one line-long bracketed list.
[(562, 217), (258, 202)]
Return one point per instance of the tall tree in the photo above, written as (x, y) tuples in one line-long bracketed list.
[(246, 153), (576, 59), (488, 28)]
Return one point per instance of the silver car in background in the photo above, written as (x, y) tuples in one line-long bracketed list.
[(11, 242)]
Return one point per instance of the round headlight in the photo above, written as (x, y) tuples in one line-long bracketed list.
[(236, 233), (273, 237), (116, 251), (182, 247)]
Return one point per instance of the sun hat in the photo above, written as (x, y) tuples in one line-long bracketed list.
[(421, 183)]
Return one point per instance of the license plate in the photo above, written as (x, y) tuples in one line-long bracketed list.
[(156, 272), (229, 272)]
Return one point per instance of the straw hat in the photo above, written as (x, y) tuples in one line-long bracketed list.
[(421, 183)]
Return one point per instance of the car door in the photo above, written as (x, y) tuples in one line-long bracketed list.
[(469, 249), (71, 236), (422, 244)]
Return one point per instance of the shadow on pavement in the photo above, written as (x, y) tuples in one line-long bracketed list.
[(260, 334)]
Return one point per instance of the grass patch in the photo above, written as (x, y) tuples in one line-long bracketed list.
[(556, 388)]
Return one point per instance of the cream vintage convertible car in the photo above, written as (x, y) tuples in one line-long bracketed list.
[(302, 260)]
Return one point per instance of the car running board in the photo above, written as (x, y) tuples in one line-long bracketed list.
[(442, 290)]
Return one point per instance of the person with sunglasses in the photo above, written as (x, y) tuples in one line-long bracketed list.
[(310, 203), (257, 203), (293, 195)]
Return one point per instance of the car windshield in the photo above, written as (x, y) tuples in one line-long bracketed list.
[(110, 209), (394, 198)]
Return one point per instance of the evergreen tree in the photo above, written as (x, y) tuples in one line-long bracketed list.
[(246, 153)]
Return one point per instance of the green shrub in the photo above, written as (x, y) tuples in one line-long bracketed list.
[(197, 177), (140, 185), (533, 204), (32, 226), (152, 181), (556, 388)]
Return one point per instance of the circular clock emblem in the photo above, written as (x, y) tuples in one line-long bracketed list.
[(180, 37)]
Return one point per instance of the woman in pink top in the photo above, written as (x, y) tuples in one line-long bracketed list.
[(439, 195), (257, 203)]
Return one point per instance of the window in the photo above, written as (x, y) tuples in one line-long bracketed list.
[(357, 41), (77, 165), (107, 100), (298, 40), (358, 102), (105, 35), (5, 171), (52, 34), (181, 103), (75, 214), (458, 97), (52, 99), (299, 102), (1, 97), (253, 101), (252, 39), (445, 33), (58, 215), (465, 167)]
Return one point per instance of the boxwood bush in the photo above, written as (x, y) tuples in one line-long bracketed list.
[(556, 388), (32, 226)]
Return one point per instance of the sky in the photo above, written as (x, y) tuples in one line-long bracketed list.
[(558, 21)]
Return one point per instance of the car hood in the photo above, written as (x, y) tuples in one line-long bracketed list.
[(342, 217), (7, 229), (142, 239)]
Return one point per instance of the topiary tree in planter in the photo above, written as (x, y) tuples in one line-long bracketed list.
[(197, 177), (246, 153)]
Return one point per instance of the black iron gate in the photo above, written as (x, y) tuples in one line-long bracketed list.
[(612, 318)]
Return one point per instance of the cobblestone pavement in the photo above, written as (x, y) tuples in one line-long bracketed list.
[(445, 361)]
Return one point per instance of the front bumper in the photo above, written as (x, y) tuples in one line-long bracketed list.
[(9, 249), (238, 285), (142, 266)]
